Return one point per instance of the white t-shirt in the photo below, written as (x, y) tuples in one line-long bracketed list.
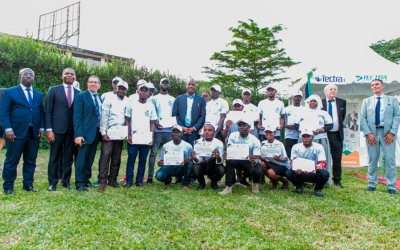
[(171, 146), (271, 112), (292, 116), (251, 140), (251, 110), (113, 112), (315, 152), (141, 114), (104, 97), (214, 109), (215, 143), (276, 143), (163, 105), (315, 119)]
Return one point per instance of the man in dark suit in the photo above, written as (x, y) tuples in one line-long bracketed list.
[(23, 120), (87, 116), (190, 112), (336, 108), (60, 129)]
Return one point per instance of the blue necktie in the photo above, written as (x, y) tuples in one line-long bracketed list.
[(96, 104), (378, 112), (330, 112), (30, 100)]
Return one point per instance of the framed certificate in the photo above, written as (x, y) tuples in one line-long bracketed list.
[(142, 138), (168, 121), (173, 158), (303, 164), (270, 150), (237, 151), (118, 132), (203, 149)]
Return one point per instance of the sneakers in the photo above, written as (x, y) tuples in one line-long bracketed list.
[(149, 180), (96, 183), (370, 189), (214, 185), (299, 189), (392, 191), (254, 188), (227, 190)]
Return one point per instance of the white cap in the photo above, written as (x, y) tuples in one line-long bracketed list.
[(164, 79), (270, 127), (297, 92), (216, 87), (146, 85), (271, 86), (116, 79), (150, 85), (237, 101), (177, 127), (140, 82), (246, 91), (307, 131), (123, 84)]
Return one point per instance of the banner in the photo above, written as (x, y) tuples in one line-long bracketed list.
[(351, 142)]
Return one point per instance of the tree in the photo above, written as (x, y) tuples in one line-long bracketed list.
[(253, 59), (388, 49)]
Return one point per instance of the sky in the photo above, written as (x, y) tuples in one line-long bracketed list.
[(179, 36)]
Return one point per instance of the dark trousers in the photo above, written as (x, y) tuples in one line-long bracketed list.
[(133, 151), (84, 162), (28, 147), (320, 177), (61, 158), (165, 173), (289, 143), (190, 138), (110, 161), (242, 165), (213, 170), (336, 145), (159, 139)]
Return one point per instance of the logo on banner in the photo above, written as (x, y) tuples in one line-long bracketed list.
[(329, 79), (368, 78)]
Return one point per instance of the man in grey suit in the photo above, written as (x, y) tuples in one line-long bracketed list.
[(380, 117)]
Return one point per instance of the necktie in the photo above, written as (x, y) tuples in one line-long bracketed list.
[(330, 108), (30, 100), (69, 96), (96, 104), (378, 111)]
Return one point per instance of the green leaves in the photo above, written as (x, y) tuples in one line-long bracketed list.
[(388, 49)]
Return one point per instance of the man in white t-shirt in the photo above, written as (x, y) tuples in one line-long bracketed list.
[(250, 109), (216, 110), (135, 96), (112, 93), (141, 116), (271, 112), (230, 120)]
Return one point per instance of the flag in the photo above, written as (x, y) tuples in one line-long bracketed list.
[(308, 90)]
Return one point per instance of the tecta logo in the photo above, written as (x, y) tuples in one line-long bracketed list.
[(327, 78)]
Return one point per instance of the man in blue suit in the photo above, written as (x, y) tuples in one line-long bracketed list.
[(23, 120), (87, 116), (190, 112), (380, 117)]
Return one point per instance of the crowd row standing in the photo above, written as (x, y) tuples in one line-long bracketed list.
[(196, 135)]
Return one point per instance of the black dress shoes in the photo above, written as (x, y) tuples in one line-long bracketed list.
[(299, 189), (52, 188), (67, 185), (89, 185), (82, 189), (339, 184), (30, 189), (127, 186), (318, 193), (9, 192)]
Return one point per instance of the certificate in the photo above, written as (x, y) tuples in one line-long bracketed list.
[(303, 164), (203, 149), (168, 121), (270, 123), (237, 151), (142, 138), (270, 150), (118, 132), (234, 116), (173, 158)]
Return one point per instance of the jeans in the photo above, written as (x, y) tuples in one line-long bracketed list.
[(133, 151), (159, 138), (165, 173)]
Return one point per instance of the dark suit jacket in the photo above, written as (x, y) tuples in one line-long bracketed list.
[(341, 110), (17, 113), (85, 120), (59, 116), (198, 111)]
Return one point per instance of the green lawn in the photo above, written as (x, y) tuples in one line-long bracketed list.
[(171, 218)]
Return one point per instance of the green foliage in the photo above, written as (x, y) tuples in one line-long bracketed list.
[(388, 49), (253, 59)]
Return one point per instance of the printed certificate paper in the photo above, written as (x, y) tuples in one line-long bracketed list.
[(203, 149), (237, 151), (303, 164), (168, 122), (173, 158), (142, 138), (118, 133), (270, 150)]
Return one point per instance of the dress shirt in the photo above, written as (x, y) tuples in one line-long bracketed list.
[(334, 114), (188, 117), (382, 111), (66, 92)]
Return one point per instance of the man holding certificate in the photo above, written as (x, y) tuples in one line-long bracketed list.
[(175, 159), (308, 164), (140, 117), (113, 132), (207, 158), (234, 116), (274, 161), (243, 149)]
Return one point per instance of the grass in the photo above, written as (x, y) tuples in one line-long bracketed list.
[(156, 217)]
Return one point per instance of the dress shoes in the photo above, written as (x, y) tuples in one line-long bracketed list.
[(101, 188), (370, 189), (149, 180), (9, 192), (392, 191), (67, 185), (89, 185), (339, 184), (201, 187), (114, 184), (127, 186), (52, 188), (30, 189), (214, 185), (318, 193), (82, 189)]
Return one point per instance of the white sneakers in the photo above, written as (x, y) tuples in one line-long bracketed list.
[(254, 188), (227, 190)]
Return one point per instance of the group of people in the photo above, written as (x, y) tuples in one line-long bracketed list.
[(198, 136)]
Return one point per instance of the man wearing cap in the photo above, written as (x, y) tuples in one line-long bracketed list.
[(216, 110), (274, 160), (208, 165), (380, 117), (292, 114), (250, 109), (307, 149), (336, 108), (230, 120), (135, 96), (166, 172), (163, 104), (141, 116), (190, 112), (87, 117), (60, 129), (251, 165), (112, 93), (113, 116), (23, 120), (271, 112), (206, 95)]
